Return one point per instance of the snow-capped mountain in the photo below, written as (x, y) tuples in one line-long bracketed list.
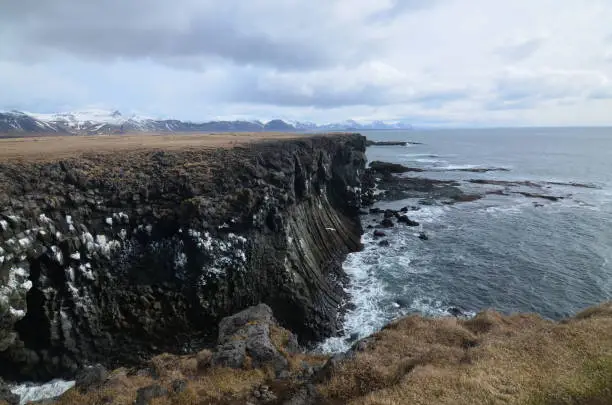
[(97, 122)]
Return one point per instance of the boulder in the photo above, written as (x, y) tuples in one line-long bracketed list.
[(245, 337), (403, 303), (90, 378), (454, 311), (423, 236), (306, 395), (179, 386), (7, 396), (405, 220), (387, 223), (379, 234), (384, 243), (390, 213), (145, 395)]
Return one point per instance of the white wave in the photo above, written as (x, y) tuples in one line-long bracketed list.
[(430, 161), (366, 294), (428, 307), (29, 392), (434, 308), (429, 214), (420, 155), (458, 167)]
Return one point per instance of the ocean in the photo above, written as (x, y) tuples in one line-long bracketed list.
[(512, 250)]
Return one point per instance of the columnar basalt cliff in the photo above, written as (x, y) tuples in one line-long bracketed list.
[(112, 257)]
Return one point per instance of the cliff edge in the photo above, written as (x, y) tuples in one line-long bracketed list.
[(120, 252)]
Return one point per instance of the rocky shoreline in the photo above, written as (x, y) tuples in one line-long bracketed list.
[(232, 256)]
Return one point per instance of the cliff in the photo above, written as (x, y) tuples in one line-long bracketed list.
[(111, 256)]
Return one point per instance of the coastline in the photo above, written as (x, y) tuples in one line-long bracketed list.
[(318, 163)]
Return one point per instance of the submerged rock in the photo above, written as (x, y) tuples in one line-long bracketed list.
[(423, 236), (405, 220), (454, 311), (386, 168), (542, 196), (387, 223)]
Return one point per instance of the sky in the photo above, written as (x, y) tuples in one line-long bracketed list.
[(430, 62)]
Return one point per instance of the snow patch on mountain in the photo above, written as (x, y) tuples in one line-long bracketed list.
[(97, 121)]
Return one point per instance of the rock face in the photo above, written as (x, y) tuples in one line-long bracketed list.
[(111, 258), (245, 338)]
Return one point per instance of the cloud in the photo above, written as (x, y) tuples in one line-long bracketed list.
[(519, 51), (241, 32), (522, 89), (398, 8), (451, 61)]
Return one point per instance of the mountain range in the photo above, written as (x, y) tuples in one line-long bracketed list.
[(99, 122)]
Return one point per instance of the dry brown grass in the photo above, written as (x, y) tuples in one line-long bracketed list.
[(61, 147), (204, 385), (490, 359)]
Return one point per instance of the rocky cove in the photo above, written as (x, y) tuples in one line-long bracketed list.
[(111, 258)]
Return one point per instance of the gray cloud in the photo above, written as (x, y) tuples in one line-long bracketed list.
[(320, 59), (240, 32), (520, 51), (320, 94), (401, 7)]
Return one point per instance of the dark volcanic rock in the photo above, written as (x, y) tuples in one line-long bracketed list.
[(542, 196), (179, 386), (390, 214), (386, 143), (247, 335), (387, 223), (90, 378), (7, 396), (380, 184), (145, 395), (405, 220), (384, 243), (379, 234), (454, 311), (389, 168), (423, 236), (113, 258)]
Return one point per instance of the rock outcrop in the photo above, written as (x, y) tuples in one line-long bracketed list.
[(245, 338), (111, 258)]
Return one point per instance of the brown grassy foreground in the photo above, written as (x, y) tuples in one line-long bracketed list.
[(56, 147), (490, 359)]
